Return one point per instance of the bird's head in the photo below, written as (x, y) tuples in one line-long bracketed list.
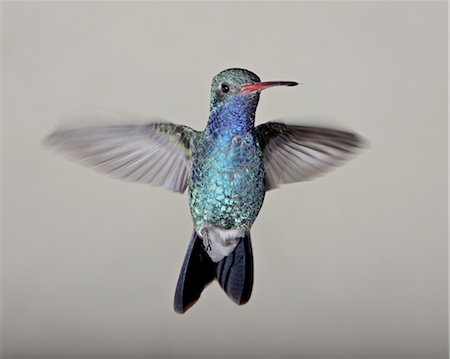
[(239, 88)]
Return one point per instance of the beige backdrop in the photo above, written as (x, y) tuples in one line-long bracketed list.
[(350, 264)]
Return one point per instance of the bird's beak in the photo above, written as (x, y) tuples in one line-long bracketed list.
[(259, 86)]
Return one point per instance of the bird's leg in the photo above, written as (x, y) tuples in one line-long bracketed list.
[(206, 239)]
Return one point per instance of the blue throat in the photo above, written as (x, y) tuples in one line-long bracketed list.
[(233, 117)]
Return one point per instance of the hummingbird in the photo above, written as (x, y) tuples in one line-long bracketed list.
[(227, 168)]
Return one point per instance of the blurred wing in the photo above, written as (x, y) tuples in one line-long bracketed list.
[(299, 153), (156, 153)]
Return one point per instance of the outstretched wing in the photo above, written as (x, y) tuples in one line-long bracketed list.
[(155, 153), (299, 153)]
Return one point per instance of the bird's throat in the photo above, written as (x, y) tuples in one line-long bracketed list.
[(231, 119)]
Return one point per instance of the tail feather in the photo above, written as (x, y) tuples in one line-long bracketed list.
[(234, 273), (198, 271)]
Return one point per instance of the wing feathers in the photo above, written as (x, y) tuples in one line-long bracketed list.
[(156, 153), (299, 153)]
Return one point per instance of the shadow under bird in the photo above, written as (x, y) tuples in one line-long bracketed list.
[(227, 169)]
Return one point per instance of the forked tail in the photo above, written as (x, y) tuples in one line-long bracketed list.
[(234, 273)]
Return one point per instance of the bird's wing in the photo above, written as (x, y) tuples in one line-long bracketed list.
[(155, 153), (298, 153)]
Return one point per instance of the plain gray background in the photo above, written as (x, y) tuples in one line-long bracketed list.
[(352, 264)]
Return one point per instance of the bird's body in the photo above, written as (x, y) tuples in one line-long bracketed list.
[(227, 168), (226, 190)]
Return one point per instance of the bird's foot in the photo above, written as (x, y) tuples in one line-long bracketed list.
[(206, 240)]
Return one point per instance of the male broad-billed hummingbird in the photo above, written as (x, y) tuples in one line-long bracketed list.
[(227, 169)]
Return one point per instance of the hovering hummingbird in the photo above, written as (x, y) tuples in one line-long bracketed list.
[(227, 169)]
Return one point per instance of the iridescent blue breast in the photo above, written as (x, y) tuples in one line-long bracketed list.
[(227, 185)]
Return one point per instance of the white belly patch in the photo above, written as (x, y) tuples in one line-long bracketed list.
[(218, 242)]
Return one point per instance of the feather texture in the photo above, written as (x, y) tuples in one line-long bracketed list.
[(197, 272), (156, 153), (235, 272), (299, 153)]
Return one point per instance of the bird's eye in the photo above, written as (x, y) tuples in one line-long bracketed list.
[(224, 87)]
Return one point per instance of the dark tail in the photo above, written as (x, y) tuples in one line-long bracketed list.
[(234, 273)]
